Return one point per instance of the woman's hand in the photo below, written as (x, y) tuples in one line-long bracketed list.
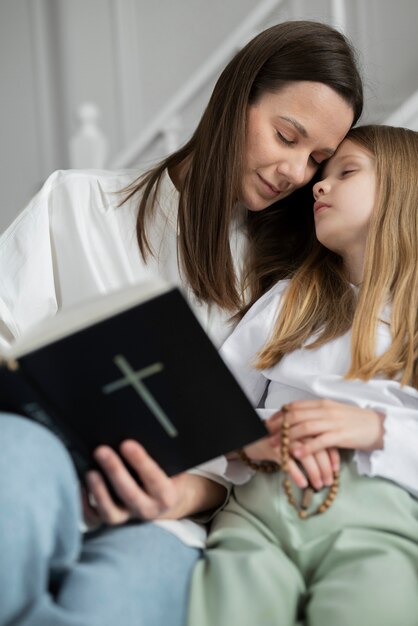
[(161, 497), (318, 468), (317, 425)]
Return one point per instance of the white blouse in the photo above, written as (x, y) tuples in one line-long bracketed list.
[(73, 242), (319, 373)]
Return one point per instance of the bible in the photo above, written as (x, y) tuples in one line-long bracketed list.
[(132, 364)]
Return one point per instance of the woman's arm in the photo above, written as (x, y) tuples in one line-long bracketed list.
[(161, 497)]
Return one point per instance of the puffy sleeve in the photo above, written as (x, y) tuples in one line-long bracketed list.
[(239, 353), (27, 289), (241, 348), (398, 459)]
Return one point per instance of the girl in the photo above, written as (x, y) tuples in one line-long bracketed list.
[(335, 348), (281, 106)]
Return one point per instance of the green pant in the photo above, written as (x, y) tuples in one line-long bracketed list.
[(355, 565)]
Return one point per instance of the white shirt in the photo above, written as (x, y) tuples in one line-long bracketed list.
[(319, 373), (73, 242)]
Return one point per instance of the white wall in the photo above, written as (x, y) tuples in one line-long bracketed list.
[(22, 149), (386, 33), (130, 57)]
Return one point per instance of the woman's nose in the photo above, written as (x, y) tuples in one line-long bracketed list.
[(295, 171)]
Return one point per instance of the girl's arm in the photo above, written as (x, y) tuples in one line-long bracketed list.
[(315, 469), (328, 423), (385, 438), (240, 354)]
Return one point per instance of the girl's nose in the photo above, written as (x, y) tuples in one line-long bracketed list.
[(319, 189)]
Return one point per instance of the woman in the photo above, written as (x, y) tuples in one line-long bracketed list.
[(336, 346), (281, 107)]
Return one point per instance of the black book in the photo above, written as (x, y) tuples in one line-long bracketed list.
[(133, 364)]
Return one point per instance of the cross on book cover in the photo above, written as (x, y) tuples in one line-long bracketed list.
[(147, 372)]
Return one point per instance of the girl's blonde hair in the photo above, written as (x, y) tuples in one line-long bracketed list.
[(320, 304)]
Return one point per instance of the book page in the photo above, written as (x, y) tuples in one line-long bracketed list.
[(85, 314)]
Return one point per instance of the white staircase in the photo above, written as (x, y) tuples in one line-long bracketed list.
[(173, 124), (169, 128)]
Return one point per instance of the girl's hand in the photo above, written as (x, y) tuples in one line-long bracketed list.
[(161, 496), (317, 425), (318, 468)]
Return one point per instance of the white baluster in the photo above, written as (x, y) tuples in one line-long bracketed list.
[(171, 134), (88, 148), (338, 15)]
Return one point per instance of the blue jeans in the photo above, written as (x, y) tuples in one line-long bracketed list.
[(52, 575)]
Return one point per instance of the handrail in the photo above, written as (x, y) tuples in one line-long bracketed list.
[(196, 82)]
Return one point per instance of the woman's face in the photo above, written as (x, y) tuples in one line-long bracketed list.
[(289, 133)]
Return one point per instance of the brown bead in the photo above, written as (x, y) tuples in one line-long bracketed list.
[(287, 486), (307, 498)]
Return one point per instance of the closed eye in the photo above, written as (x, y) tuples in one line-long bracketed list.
[(282, 138), (345, 172)]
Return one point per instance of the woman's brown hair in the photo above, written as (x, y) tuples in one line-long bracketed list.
[(287, 52), (319, 300)]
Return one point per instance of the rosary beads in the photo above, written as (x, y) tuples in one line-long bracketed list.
[(269, 467)]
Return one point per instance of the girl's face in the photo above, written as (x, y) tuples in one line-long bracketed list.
[(344, 200), (289, 133)]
